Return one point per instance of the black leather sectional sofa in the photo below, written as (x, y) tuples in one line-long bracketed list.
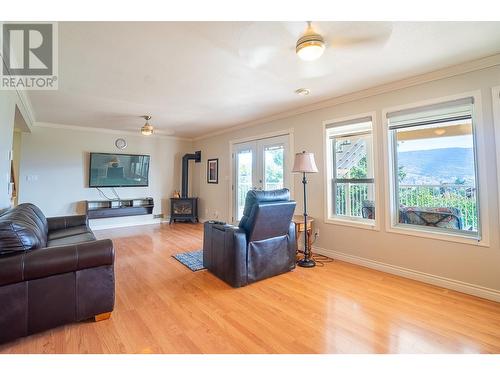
[(53, 271)]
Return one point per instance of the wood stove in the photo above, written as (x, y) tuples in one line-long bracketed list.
[(185, 208)]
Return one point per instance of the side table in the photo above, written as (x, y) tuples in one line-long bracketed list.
[(298, 220)]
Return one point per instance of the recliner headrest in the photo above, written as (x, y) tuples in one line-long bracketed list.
[(261, 196)]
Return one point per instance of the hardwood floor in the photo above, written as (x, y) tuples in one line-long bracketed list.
[(162, 307)]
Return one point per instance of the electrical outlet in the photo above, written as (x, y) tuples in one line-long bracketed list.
[(158, 216), (317, 232)]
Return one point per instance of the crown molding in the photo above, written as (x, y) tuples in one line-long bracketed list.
[(157, 134), (22, 102), (26, 109), (450, 71)]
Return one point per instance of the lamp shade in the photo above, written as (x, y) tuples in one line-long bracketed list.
[(304, 163)]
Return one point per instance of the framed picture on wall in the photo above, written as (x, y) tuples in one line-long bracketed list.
[(213, 171)]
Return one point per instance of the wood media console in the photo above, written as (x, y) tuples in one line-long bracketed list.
[(119, 207)]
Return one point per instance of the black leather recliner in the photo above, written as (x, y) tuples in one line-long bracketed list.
[(263, 245)]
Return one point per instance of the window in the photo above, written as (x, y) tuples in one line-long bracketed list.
[(434, 170), (350, 176)]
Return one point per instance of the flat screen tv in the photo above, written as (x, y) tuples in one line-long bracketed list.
[(118, 170)]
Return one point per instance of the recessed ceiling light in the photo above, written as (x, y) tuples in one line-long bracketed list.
[(302, 91)]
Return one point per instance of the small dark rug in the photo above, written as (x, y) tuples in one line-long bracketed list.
[(192, 260)]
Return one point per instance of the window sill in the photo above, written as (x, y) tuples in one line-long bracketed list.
[(362, 224), (435, 235)]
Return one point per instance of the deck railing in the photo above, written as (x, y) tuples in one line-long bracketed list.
[(350, 199), (462, 197)]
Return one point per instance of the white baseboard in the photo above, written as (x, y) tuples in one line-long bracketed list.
[(96, 226), (460, 286)]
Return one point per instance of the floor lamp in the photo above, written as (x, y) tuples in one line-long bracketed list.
[(304, 163)]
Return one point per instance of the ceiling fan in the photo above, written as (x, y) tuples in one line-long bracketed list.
[(311, 45), (308, 48)]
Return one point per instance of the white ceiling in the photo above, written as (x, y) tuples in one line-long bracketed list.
[(199, 77)]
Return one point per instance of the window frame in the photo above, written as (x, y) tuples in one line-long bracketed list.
[(495, 94), (391, 222), (351, 221)]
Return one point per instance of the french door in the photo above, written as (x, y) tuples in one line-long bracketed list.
[(263, 165)]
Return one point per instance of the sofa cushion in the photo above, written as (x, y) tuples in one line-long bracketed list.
[(37, 216), (21, 229), (72, 231), (70, 240)]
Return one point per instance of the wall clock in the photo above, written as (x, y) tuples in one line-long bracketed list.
[(120, 143)]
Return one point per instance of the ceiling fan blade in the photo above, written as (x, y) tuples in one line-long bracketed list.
[(295, 29), (342, 42), (262, 42), (258, 56), (353, 34)]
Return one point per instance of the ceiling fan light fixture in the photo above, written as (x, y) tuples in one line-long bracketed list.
[(311, 45), (147, 128)]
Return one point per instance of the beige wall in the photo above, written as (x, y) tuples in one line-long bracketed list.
[(457, 261), (58, 158), (54, 170)]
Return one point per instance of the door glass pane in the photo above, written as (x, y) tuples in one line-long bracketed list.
[(436, 176), (243, 178), (273, 167)]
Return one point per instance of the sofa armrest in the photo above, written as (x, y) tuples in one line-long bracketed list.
[(292, 239), (49, 261), (225, 253), (64, 222)]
